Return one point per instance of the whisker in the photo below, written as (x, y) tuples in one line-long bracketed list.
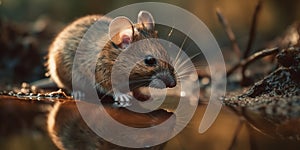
[(180, 50), (184, 62), (188, 47), (191, 57), (183, 76), (106, 94), (102, 81), (188, 69), (171, 32), (182, 44), (187, 73)]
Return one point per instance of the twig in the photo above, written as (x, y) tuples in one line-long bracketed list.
[(298, 30), (245, 62), (253, 29), (251, 38), (236, 134), (235, 67), (229, 32)]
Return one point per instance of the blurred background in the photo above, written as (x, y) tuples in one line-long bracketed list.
[(27, 28), (275, 15)]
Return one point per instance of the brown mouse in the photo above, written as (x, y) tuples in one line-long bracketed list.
[(121, 36)]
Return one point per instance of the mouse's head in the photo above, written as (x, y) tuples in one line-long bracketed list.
[(140, 53)]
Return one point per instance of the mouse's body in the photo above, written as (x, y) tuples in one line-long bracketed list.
[(121, 36)]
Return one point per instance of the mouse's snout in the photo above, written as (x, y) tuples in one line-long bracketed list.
[(166, 77)]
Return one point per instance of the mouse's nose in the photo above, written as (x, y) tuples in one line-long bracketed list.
[(167, 78), (169, 81)]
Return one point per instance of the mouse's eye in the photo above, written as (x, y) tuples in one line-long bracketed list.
[(150, 61)]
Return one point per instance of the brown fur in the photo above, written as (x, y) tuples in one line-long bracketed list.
[(63, 49)]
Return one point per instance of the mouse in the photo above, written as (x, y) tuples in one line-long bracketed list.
[(120, 36)]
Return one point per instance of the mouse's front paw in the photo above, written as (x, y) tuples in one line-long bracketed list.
[(122, 100)]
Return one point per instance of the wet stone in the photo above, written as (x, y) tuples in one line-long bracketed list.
[(21, 94), (289, 57), (11, 93), (275, 99), (41, 95), (3, 92), (57, 94), (28, 92), (278, 83)]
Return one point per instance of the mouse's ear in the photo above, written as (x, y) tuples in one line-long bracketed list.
[(121, 31), (146, 19)]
